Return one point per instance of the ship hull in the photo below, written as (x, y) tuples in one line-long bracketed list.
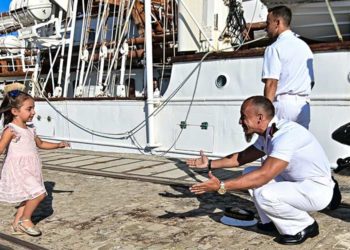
[(197, 102)]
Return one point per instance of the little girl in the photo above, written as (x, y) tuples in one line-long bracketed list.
[(21, 178)]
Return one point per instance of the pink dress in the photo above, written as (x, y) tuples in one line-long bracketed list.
[(21, 177)]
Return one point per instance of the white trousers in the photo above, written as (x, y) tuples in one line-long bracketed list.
[(287, 203), (293, 108)]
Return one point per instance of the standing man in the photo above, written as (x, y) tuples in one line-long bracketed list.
[(294, 179), (287, 69)]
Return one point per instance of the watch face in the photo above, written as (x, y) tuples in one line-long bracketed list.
[(222, 188), (222, 191)]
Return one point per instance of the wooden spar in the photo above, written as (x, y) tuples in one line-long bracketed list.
[(156, 53), (5, 68), (114, 2), (155, 39), (15, 73), (256, 26), (138, 15), (117, 2), (139, 18), (259, 51), (139, 54)]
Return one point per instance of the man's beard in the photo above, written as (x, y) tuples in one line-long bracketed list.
[(248, 137), (272, 38)]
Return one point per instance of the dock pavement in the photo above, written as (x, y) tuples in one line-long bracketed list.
[(103, 201)]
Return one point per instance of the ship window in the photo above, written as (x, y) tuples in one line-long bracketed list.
[(221, 81)]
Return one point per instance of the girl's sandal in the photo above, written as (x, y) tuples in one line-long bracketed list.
[(16, 230), (32, 231)]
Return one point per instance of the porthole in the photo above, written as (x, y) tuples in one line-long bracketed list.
[(221, 81)]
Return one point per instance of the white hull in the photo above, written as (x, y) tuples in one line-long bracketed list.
[(330, 108)]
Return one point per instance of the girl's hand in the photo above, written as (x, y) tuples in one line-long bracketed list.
[(201, 162), (63, 144)]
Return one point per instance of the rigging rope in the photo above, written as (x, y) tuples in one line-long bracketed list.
[(130, 134), (235, 22)]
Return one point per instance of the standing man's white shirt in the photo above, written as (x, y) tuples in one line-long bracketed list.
[(290, 61)]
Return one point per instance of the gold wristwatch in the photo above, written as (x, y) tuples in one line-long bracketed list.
[(222, 189)]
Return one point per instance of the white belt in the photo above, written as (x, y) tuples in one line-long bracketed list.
[(291, 97)]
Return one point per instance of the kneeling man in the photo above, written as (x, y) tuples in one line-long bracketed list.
[(294, 179)]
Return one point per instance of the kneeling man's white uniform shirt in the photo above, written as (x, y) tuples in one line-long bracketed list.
[(304, 185), (297, 146)]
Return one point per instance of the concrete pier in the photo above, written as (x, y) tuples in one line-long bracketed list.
[(122, 201)]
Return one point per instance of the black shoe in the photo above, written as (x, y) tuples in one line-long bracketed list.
[(267, 227), (309, 232)]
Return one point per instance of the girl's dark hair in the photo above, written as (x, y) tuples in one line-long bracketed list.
[(12, 99)]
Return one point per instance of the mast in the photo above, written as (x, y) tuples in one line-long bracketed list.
[(149, 75), (70, 49)]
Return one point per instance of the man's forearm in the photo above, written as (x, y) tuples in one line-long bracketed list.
[(251, 180), (229, 161), (270, 89), (250, 154)]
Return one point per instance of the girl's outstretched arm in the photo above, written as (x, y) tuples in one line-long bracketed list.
[(50, 145), (6, 137)]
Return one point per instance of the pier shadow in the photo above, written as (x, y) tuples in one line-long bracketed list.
[(193, 173), (209, 203), (45, 208), (341, 213)]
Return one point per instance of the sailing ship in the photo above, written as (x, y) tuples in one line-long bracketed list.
[(163, 77)]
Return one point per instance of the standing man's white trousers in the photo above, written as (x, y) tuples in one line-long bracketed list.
[(293, 108), (287, 203)]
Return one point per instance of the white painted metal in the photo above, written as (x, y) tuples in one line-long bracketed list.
[(10, 45), (31, 11), (62, 3), (254, 11), (103, 56), (8, 23), (121, 87), (196, 30), (311, 19), (67, 81), (34, 78), (149, 75)]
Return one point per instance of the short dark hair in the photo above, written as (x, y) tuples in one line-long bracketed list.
[(262, 102), (282, 11), (13, 99)]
